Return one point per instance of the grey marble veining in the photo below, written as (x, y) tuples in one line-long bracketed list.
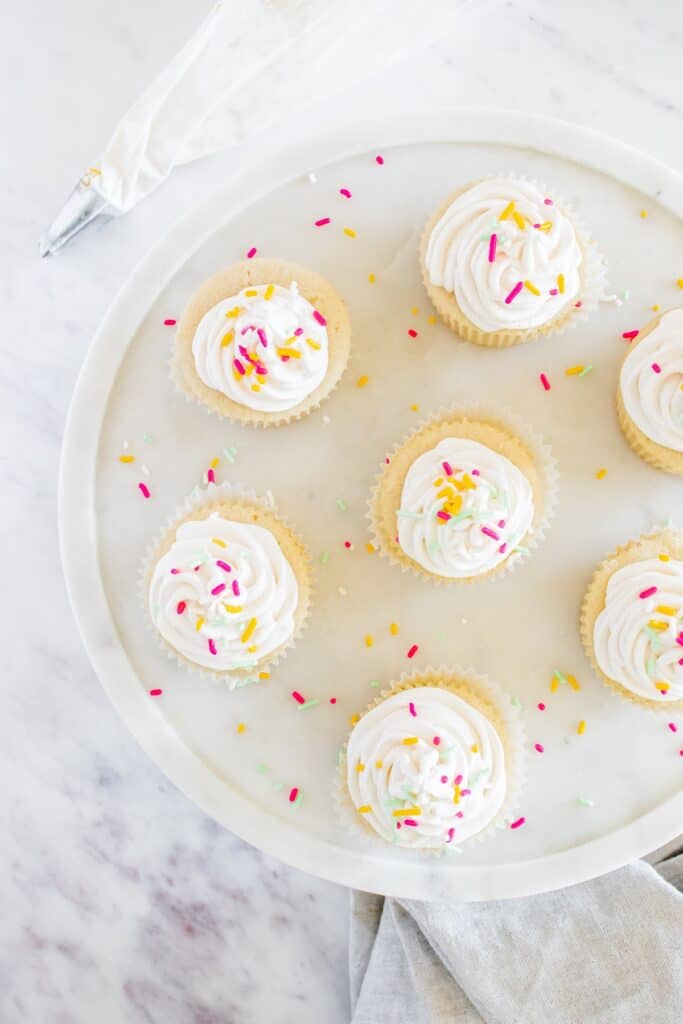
[(120, 900)]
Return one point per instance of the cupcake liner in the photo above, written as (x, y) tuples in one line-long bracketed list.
[(488, 698), (215, 498), (228, 282), (661, 540), (593, 282), (428, 433)]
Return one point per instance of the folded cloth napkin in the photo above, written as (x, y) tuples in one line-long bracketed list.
[(608, 951)]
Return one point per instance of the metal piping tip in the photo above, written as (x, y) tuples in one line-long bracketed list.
[(84, 207)]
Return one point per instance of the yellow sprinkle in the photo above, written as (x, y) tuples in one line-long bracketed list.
[(410, 741), (554, 683), (241, 727), (474, 748), (508, 210), (313, 344), (360, 767), (679, 282), (370, 548), (378, 764), (249, 370), (666, 609), (292, 352), (218, 541), (94, 170), (214, 463), (255, 387), (415, 311), (369, 641), (393, 629), (247, 635), (414, 408), (264, 675), (581, 727), (371, 278), (655, 309), (643, 214), (530, 286), (546, 225), (233, 609), (659, 626), (354, 718), (362, 381), (199, 623), (456, 795), (560, 283), (466, 483), (233, 313), (350, 232), (269, 292), (406, 812), (438, 481), (365, 809), (519, 220), (431, 319), (251, 292), (601, 474), (126, 458), (664, 558), (573, 370), (662, 687), (575, 685)]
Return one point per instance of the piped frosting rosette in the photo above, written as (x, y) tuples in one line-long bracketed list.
[(504, 261), (437, 760), (632, 620), (650, 393), (226, 586)]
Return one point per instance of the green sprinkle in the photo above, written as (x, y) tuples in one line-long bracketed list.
[(341, 505), (434, 547), (262, 769), (560, 675), (297, 801), (309, 704), (522, 550), (461, 515), (586, 370), (651, 665), (374, 683), (625, 294), (230, 453), (585, 802), (405, 514), (516, 702), (476, 776), (148, 438), (324, 558)]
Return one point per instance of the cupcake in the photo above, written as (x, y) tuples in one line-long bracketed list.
[(464, 497), (263, 342), (435, 761), (503, 262), (227, 586), (650, 393), (632, 620)]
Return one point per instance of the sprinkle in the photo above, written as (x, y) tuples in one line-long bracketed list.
[(545, 226), (412, 651), (218, 590), (348, 545), (362, 381), (233, 609), (660, 627), (575, 685), (490, 533), (560, 283), (666, 609), (412, 332), (374, 683), (518, 823), (379, 160), (516, 702), (313, 344), (539, 747), (212, 646), (247, 634), (585, 802), (514, 293), (393, 629), (586, 370), (324, 558), (447, 468), (553, 291), (210, 476), (169, 322), (673, 727), (310, 703), (144, 490), (519, 220), (601, 474), (643, 214), (436, 741), (155, 693), (656, 367), (647, 593), (322, 222), (269, 292), (679, 282), (230, 454), (360, 767), (317, 316), (630, 335), (239, 367), (410, 821), (541, 706), (241, 728), (457, 793), (508, 210), (492, 248), (262, 338), (450, 834), (350, 232), (333, 700), (293, 794), (574, 371), (198, 624), (371, 278), (531, 287), (252, 252), (410, 741), (411, 708), (235, 588), (369, 641), (365, 809), (345, 192), (264, 675), (219, 561), (664, 558), (126, 458), (545, 382)]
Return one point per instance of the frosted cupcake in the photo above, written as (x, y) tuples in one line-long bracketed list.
[(465, 497), (632, 620), (504, 262), (437, 760), (650, 393), (227, 586), (263, 342)]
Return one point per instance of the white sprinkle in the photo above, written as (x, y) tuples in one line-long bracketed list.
[(312, 177), (145, 469), (326, 419), (270, 498), (125, 444)]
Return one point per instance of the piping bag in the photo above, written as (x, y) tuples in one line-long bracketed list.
[(248, 65)]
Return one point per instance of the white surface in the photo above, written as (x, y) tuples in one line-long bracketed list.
[(120, 898), (308, 466)]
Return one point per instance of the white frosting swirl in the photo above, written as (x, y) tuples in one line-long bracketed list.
[(464, 509), (266, 348), (426, 769), (224, 595), (638, 636), (652, 382), (523, 278)]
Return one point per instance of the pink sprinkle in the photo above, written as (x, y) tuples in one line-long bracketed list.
[(548, 202), (320, 318), (541, 706), (235, 588), (630, 335), (297, 697), (218, 589), (158, 693), (443, 515), (322, 222), (647, 593), (436, 741), (410, 821), (679, 641), (537, 226), (411, 708), (379, 159), (553, 291), (518, 823), (252, 252), (174, 572), (578, 305), (501, 524), (347, 543), (447, 468), (545, 382), (656, 367), (211, 476), (169, 323), (333, 700), (261, 371), (144, 490), (475, 472), (293, 794), (238, 366), (457, 780), (212, 647), (298, 332), (444, 778), (502, 549), (387, 459), (412, 332), (181, 606), (223, 565), (412, 651), (490, 533), (345, 192), (493, 240), (514, 293), (451, 831), (673, 726), (465, 792), (539, 747), (262, 337)]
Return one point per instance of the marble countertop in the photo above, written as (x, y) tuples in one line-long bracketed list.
[(122, 901)]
